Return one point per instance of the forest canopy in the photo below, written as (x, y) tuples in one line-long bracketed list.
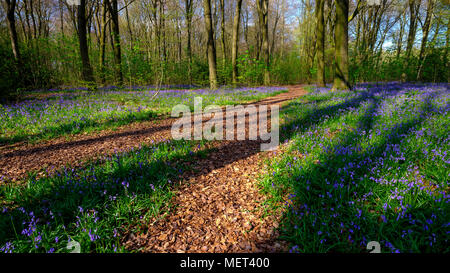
[(52, 43)]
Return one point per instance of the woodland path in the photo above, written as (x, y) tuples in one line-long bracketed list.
[(19, 158), (218, 205)]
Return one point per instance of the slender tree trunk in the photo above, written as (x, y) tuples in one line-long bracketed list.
[(425, 31), (114, 12), (222, 29), (87, 73), (341, 80), (245, 18), (320, 43), (103, 29), (179, 42), (27, 19), (61, 16), (413, 11), (235, 42), (358, 36), (283, 28), (130, 31), (211, 50), (22, 24), (33, 20), (447, 48), (188, 6), (163, 30), (263, 12), (274, 36), (10, 7), (400, 38)]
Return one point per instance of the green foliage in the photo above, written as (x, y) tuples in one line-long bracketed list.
[(95, 205), (78, 112), (287, 70), (54, 62), (364, 165), (8, 73), (251, 70), (389, 67)]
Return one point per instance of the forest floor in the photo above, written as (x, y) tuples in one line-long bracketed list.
[(217, 207), (356, 166), (20, 158)]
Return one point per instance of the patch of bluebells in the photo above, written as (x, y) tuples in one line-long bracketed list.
[(93, 203), (374, 158), (75, 112)]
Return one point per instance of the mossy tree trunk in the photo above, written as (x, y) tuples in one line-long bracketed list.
[(320, 43), (114, 12), (211, 49), (87, 73), (235, 48), (188, 13), (263, 12), (341, 75)]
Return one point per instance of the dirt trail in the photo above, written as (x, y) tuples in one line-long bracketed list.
[(17, 159), (217, 206), (220, 208)]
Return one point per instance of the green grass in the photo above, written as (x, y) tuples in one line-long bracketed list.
[(83, 112), (94, 205), (368, 165)]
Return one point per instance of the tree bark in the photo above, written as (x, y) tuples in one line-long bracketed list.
[(188, 11), (400, 38), (425, 31), (341, 79), (87, 73), (211, 49), (103, 29), (130, 31), (222, 29), (61, 16), (235, 42), (263, 11), (320, 43), (162, 18), (274, 32), (413, 12), (114, 12), (10, 7)]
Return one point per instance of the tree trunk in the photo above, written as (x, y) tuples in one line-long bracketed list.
[(263, 11), (61, 16), (235, 42), (163, 30), (222, 29), (400, 38), (320, 43), (103, 42), (87, 73), (425, 31), (211, 50), (341, 80), (413, 11), (130, 31), (274, 33), (188, 6), (114, 12), (10, 7)]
